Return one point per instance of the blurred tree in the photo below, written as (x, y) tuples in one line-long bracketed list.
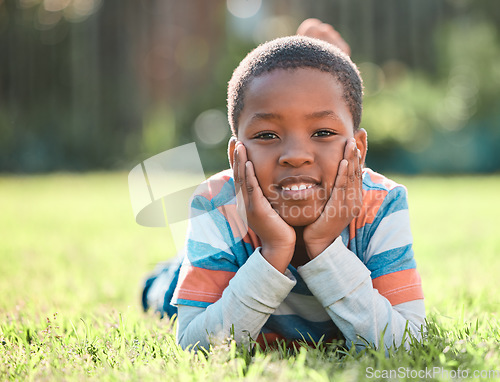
[(92, 84)]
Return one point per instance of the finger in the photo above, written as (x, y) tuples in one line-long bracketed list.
[(237, 165), (340, 185), (238, 181), (235, 170), (350, 145), (358, 162), (360, 181), (352, 157), (348, 157), (354, 172), (359, 168), (354, 191), (252, 184), (240, 165), (256, 199), (337, 197), (342, 175)]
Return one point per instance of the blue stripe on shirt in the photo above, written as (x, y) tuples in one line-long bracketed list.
[(393, 260), (203, 255), (394, 201), (294, 327)]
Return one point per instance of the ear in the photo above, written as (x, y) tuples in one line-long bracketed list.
[(362, 143), (230, 149)]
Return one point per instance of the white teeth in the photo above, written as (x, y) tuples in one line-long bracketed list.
[(297, 187)]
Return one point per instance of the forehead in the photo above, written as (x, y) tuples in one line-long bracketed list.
[(294, 93)]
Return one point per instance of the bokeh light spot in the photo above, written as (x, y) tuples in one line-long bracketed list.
[(80, 10), (211, 127), (46, 20), (243, 8), (273, 27), (394, 72), (460, 102), (55, 5)]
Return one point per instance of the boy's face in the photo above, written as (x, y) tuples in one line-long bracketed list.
[(295, 125)]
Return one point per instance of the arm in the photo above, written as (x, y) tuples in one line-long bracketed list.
[(355, 306), (276, 236), (254, 293), (215, 295), (352, 301)]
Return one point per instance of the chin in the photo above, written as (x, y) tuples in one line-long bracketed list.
[(296, 218), (299, 222)]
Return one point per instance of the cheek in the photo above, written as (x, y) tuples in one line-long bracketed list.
[(262, 166), (331, 168), (336, 154)]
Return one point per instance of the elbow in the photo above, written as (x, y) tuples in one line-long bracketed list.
[(180, 339), (391, 338), (412, 334), (191, 342)]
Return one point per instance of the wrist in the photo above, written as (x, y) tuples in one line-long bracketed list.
[(279, 256), (315, 249)]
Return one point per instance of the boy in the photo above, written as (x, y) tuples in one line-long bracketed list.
[(327, 251)]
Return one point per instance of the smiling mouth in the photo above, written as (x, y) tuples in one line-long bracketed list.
[(297, 183), (297, 187)]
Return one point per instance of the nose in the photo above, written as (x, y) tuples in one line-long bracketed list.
[(296, 153)]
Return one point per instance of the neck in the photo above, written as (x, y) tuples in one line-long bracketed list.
[(300, 256)]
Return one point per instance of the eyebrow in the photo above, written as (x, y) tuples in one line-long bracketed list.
[(316, 115), (323, 114), (265, 117)]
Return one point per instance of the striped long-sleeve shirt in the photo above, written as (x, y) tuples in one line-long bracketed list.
[(364, 284)]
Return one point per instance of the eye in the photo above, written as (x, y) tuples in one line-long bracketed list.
[(265, 136), (324, 133)]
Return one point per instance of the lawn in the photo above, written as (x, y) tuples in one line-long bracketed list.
[(72, 260)]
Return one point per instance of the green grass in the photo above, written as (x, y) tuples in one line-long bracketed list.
[(72, 260)]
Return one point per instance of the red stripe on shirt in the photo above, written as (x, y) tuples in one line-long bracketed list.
[(382, 180), (199, 284), (213, 185), (238, 226), (372, 200), (399, 287)]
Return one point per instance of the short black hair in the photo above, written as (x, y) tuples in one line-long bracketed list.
[(291, 53)]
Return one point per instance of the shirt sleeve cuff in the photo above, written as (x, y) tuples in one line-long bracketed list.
[(259, 285), (334, 273)]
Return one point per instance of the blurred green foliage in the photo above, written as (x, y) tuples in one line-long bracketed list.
[(444, 121), (88, 84)]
